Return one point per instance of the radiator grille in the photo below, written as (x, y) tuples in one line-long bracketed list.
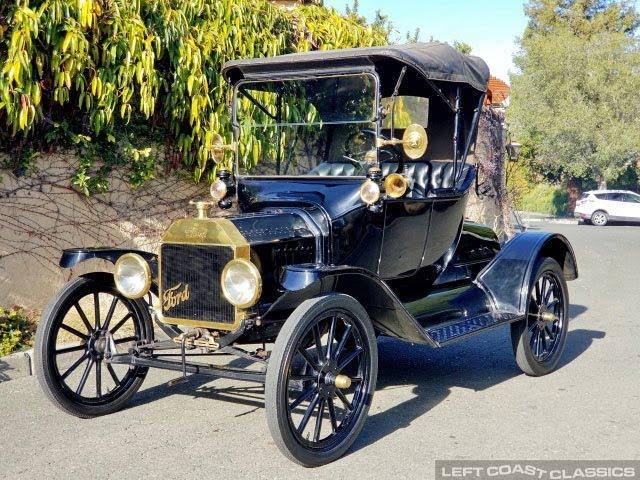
[(199, 267)]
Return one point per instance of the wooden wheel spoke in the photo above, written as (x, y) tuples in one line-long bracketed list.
[(77, 348), (534, 337), (344, 400), (112, 372), (552, 335), (319, 418), (302, 378), (99, 378), (308, 413), (331, 337), (112, 309), (96, 307), (73, 367), (85, 376), (306, 395), (83, 317), (349, 358), (332, 415), (75, 332), (318, 341), (343, 340), (304, 354), (125, 340), (120, 323)]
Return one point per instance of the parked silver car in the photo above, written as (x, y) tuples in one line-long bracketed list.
[(599, 207)]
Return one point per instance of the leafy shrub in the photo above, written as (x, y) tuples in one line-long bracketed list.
[(544, 198), (94, 74), (17, 328), (519, 181)]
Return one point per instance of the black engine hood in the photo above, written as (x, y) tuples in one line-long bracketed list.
[(336, 196), (272, 226)]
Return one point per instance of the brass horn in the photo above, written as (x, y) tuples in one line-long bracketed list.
[(395, 185)]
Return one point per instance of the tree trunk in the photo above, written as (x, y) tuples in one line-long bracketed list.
[(574, 187), (490, 156)]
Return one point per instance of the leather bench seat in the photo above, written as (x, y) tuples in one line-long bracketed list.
[(423, 176)]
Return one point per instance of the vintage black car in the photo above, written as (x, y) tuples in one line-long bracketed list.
[(339, 218)]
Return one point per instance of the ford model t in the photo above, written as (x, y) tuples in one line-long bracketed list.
[(339, 218)]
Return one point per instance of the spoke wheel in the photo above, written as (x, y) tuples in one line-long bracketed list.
[(320, 379), (538, 340), (71, 340)]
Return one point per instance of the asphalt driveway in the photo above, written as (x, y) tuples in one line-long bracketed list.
[(465, 401)]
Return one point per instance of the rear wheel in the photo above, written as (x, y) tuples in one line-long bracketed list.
[(539, 339), (321, 379), (599, 218), (70, 344)]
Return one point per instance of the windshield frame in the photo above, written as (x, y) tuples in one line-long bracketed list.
[(291, 76)]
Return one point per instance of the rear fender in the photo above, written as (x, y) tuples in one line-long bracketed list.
[(508, 278), (388, 315)]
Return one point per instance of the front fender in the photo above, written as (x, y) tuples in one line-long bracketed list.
[(389, 316), (509, 276), (73, 256)]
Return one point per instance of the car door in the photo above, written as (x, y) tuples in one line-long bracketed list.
[(632, 206), (615, 205)]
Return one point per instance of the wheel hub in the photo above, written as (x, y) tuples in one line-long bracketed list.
[(96, 344)]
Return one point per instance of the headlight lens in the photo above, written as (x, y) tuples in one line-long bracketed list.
[(218, 190), (132, 275), (241, 283), (370, 192)]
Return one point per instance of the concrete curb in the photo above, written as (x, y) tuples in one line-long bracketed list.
[(563, 221), (17, 365)]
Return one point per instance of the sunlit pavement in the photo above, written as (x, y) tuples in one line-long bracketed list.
[(466, 401)]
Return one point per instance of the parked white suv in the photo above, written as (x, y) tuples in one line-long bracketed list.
[(601, 206)]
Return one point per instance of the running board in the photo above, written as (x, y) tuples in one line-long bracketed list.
[(450, 332)]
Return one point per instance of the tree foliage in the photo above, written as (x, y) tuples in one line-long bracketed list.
[(582, 18), (107, 73), (575, 102)]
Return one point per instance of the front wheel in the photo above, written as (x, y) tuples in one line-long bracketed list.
[(321, 379), (75, 328), (538, 340)]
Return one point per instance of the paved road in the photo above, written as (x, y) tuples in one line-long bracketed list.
[(465, 401)]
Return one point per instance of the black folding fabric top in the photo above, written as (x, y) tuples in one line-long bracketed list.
[(436, 61)]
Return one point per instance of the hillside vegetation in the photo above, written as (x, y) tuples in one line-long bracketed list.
[(112, 77)]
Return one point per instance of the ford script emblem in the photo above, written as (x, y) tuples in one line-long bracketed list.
[(174, 296)]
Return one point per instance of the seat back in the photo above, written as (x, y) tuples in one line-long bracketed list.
[(423, 176), (328, 169)]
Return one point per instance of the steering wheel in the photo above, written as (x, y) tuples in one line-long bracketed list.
[(387, 154)]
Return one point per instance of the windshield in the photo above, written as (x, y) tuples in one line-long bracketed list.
[(320, 126)]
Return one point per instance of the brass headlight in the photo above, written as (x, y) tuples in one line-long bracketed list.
[(241, 283), (370, 192), (132, 275)]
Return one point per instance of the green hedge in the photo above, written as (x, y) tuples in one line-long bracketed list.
[(544, 198), (106, 76), (17, 328)]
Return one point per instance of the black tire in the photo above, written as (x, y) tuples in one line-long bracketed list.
[(55, 318), (538, 341), (599, 218), (313, 372)]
